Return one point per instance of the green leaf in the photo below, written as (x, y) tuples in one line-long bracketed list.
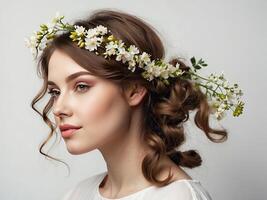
[(193, 60), (197, 67)]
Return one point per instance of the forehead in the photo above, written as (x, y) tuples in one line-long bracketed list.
[(61, 64), (62, 68)]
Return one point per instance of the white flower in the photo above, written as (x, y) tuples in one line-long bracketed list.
[(131, 66), (101, 30), (111, 48), (165, 74), (151, 69), (133, 50), (222, 107), (149, 77), (213, 105), (219, 115), (221, 77), (217, 108), (80, 30), (171, 68), (120, 44), (42, 44), (132, 63), (213, 77), (123, 55), (157, 71), (57, 18), (32, 41), (92, 43), (51, 27), (179, 72), (145, 58), (91, 33), (225, 83), (177, 65), (229, 96), (54, 22)]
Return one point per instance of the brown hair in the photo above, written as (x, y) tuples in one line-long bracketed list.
[(166, 108)]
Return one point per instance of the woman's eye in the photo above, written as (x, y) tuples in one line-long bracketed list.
[(82, 87), (52, 93)]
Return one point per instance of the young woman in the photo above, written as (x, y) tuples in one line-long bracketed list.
[(135, 120)]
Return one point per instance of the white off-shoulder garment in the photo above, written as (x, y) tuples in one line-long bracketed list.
[(183, 189)]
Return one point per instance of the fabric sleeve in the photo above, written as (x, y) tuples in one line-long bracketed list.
[(67, 195), (199, 192)]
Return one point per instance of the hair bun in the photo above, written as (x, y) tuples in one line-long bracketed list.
[(189, 158)]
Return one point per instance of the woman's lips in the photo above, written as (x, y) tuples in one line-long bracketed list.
[(69, 132)]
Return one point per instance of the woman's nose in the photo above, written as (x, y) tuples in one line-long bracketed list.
[(61, 106)]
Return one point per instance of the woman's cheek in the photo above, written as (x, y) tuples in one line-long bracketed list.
[(95, 104), (105, 113)]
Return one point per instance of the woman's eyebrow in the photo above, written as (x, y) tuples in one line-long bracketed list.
[(71, 77)]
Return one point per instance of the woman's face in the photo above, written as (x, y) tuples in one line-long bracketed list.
[(92, 103)]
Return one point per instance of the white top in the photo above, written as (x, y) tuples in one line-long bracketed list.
[(183, 189)]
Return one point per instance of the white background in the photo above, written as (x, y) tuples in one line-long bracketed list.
[(229, 35)]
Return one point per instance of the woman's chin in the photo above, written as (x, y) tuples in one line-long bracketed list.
[(76, 149), (74, 152)]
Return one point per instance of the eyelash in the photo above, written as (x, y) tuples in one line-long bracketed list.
[(51, 92)]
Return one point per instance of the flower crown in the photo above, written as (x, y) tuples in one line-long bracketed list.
[(220, 94)]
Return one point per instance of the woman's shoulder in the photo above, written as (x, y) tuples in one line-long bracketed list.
[(186, 189), (198, 191), (86, 185)]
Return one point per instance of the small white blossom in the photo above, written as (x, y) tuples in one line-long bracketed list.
[(221, 77), (120, 44), (50, 26), (152, 70), (132, 63), (111, 48), (171, 68), (92, 43), (222, 107), (123, 55), (177, 65), (133, 50), (101, 30), (225, 83), (57, 17), (229, 96), (219, 115), (80, 30), (131, 66), (42, 45), (174, 70), (157, 71), (32, 41), (145, 58), (91, 33), (165, 74)]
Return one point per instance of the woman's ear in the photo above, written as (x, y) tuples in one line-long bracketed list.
[(135, 94)]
